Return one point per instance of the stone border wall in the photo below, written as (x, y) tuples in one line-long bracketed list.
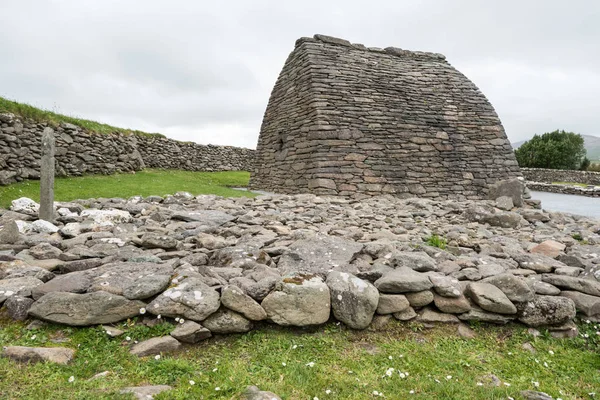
[(560, 175), (79, 152), (591, 191)]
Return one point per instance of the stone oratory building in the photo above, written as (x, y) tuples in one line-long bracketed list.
[(344, 119)]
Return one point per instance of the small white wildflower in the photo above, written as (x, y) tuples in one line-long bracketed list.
[(479, 384), (157, 357), (510, 398), (448, 377), (181, 320), (217, 388), (506, 384), (310, 364), (587, 321), (33, 337), (437, 380), (412, 392), (135, 342), (328, 391), (350, 372), (71, 379), (390, 357), (284, 364), (402, 375), (586, 335), (375, 393), (545, 364), (315, 398), (142, 310), (598, 333), (158, 316), (294, 347), (177, 319), (510, 353), (128, 338), (215, 369), (389, 371), (192, 382), (551, 352)]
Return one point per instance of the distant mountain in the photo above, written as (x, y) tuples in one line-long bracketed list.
[(591, 143)]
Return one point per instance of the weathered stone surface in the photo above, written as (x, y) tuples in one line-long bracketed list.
[(9, 233), (191, 298), (584, 303), (582, 285), (547, 310), (477, 314), (516, 289), (84, 309), (76, 282), (135, 281), (392, 303), (235, 299), (18, 287), (431, 316), (452, 305), (298, 300), (156, 345), (537, 262), (318, 255), (405, 315), (419, 299), (490, 298), (17, 307), (353, 300), (356, 152), (544, 288), (446, 286), (512, 188), (58, 355), (403, 280), (533, 395), (227, 321), (419, 261), (254, 393), (154, 241), (549, 248), (145, 392), (190, 332)]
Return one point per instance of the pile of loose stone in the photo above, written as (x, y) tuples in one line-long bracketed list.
[(220, 265)]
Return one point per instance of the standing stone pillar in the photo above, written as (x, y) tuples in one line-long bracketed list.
[(47, 176)]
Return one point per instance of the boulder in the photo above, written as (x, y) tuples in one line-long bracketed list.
[(76, 282), (584, 303), (403, 280), (512, 188), (405, 315), (145, 392), (392, 303), (353, 300), (515, 288), (22, 354), (107, 217), (419, 261), (547, 310), (25, 206), (446, 286), (298, 300), (227, 321), (254, 393), (190, 332), (191, 298), (505, 203), (419, 299), (135, 281), (154, 241), (17, 307), (9, 233), (154, 346), (537, 262), (18, 287), (320, 254), (84, 309), (235, 299), (490, 298), (549, 248), (452, 305), (587, 286)]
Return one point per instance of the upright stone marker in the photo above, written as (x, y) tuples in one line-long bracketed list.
[(47, 176)]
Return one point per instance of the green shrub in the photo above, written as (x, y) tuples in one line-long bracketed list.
[(437, 241)]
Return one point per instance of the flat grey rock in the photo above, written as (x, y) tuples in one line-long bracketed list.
[(418, 261), (353, 300), (190, 332), (429, 315), (17, 307), (515, 288), (299, 300), (235, 299), (18, 287), (478, 314), (392, 303), (452, 305), (490, 298), (135, 281), (154, 346), (587, 286), (22, 354), (146, 392), (403, 280), (584, 303), (191, 298), (446, 286), (84, 309), (547, 310), (254, 393), (419, 299), (227, 321)]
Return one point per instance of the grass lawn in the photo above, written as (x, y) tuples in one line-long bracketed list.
[(570, 184), (144, 183), (436, 363)]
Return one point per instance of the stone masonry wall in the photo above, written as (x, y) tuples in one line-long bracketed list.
[(348, 120), (80, 152), (559, 175)]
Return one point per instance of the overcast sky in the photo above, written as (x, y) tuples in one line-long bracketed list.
[(203, 71)]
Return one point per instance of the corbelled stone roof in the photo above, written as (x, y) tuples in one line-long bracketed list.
[(344, 119)]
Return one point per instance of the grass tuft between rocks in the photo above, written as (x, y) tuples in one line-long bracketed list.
[(144, 183), (328, 362)]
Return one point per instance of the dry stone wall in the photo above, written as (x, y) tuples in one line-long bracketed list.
[(348, 120), (559, 175), (81, 152)]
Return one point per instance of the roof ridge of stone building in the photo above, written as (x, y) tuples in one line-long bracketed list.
[(394, 51)]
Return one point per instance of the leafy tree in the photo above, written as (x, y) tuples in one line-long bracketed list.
[(553, 150)]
